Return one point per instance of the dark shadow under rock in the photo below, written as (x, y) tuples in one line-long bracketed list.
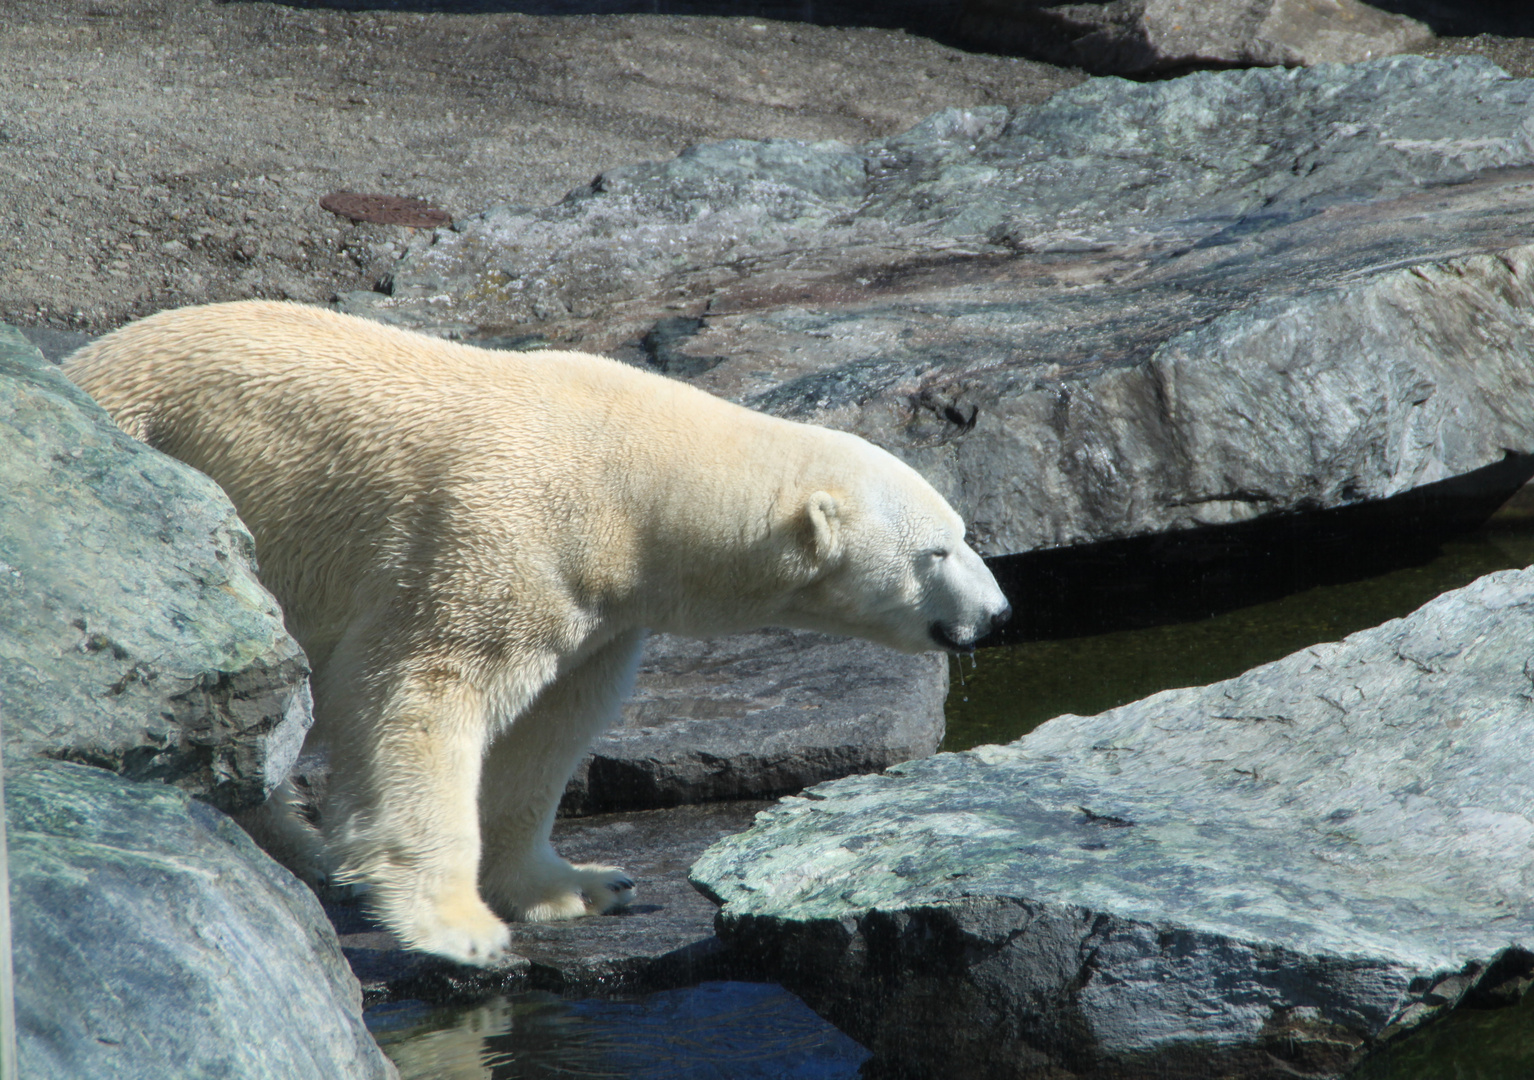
[(1140, 38), (665, 939), (1506, 18), (1195, 573)]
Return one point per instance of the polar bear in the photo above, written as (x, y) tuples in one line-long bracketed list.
[(470, 546)]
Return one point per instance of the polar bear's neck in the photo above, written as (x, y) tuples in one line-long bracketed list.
[(702, 506)]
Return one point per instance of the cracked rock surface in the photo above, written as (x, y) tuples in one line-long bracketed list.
[(1131, 309), (1292, 864), (133, 632)]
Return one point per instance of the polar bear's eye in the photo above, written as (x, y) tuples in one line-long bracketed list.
[(938, 553)]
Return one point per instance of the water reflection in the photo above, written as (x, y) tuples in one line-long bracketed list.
[(714, 1031)]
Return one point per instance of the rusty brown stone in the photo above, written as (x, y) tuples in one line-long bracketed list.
[(386, 209)]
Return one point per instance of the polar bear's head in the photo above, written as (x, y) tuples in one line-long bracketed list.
[(889, 563)]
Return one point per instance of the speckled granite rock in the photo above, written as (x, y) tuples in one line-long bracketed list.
[(154, 941), (760, 714), (1145, 37), (1134, 308), (133, 632), (1263, 874)]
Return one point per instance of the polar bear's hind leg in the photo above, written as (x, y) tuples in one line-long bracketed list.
[(402, 817), (281, 829)]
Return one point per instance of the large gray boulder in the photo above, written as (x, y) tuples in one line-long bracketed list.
[(1295, 864), (154, 941), (133, 632), (760, 714), (1146, 37), (1132, 309)]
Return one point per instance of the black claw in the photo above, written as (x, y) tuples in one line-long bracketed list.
[(621, 884)]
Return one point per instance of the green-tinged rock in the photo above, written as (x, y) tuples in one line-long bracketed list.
[(153, 940), (1299, 862), (133, 632)]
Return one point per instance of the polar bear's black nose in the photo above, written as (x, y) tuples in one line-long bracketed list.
[(1001, 618)]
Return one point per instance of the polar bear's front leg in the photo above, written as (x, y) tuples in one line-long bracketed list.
[(403, 821), (525, 775)]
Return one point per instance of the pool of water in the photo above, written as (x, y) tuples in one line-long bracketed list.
[(713, 1031), (1002, 694)]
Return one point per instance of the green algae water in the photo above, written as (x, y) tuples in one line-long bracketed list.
[(1467, 1044), (1002, 694)]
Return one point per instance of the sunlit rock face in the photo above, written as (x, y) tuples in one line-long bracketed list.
[(1295, 863), (133, 632), (1133, 308), (152, 939)]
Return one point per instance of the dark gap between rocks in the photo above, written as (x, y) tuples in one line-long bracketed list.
[(1504, 18), (1192, 574)]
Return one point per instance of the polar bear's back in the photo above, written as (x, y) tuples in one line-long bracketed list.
[(343, 442), (264, 362)]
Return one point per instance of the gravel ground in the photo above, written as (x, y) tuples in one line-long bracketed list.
[(155, 153)]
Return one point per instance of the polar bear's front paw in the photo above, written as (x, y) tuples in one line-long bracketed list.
[(469, 933), (568, 892), (482, 948)]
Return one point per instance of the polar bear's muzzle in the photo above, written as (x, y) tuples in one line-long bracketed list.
[(940, 635), (946, 640)]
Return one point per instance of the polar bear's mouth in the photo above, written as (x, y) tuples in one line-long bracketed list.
[(940, 635)]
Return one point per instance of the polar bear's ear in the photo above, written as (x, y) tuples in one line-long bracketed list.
[(822, 526)]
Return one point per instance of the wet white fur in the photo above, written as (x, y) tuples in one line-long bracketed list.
[(470, 546)]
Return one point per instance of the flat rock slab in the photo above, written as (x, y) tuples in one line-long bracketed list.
[(152, 940), (1269, 873), (1148, 37), (133, 632), (1131, 309), (757, 715), (665, 939)]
